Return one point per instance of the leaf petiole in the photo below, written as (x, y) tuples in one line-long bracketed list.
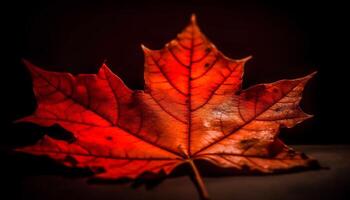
[(198, 178)]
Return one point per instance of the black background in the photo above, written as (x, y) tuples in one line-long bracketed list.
[(286, 39)]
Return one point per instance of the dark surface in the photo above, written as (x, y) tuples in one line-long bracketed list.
[(330, 183)]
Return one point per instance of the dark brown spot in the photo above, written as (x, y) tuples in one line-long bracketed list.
[(246, 144), (133, 103), (260, 88), (110, 138), (254, 92)]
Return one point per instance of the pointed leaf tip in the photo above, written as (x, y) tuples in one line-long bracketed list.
[(313, 73), (309, 76), (103, 67), (26, 62), (30, 66), (246, 59), (193, 18), (145, 49)]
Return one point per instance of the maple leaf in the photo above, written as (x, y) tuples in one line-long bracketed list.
[(193, 108)]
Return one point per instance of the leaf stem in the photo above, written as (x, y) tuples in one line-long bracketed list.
[(198, 178)]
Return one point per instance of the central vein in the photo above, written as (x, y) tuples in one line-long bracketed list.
[(189, 89)]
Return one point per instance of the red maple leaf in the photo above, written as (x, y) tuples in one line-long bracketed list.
[(193, 108)]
